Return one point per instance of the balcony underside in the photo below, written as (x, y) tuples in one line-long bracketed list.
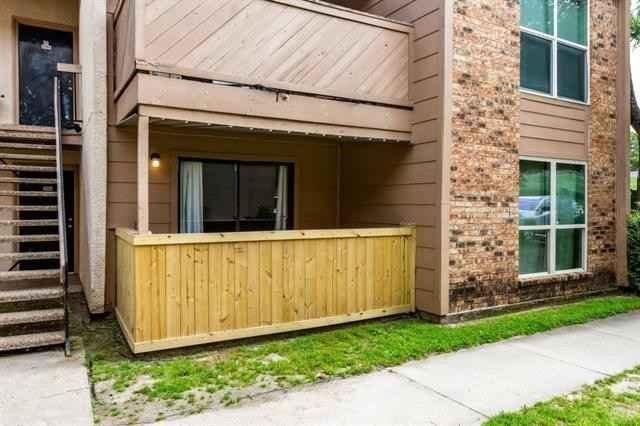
[(183, 102)]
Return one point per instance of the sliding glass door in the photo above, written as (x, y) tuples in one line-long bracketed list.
[(231, 196)]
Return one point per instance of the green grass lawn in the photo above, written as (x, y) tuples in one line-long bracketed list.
[(613, 401), (188, 381), (288, 361)]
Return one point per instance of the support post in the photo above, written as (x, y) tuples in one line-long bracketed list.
[(143, 175)]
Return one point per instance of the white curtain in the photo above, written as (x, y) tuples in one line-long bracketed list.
[(191, 197), (282, 198)]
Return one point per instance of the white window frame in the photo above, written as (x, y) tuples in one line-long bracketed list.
[(555, 40), (553, 226)]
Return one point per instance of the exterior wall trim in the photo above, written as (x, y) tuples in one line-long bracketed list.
[(623, 122), (442, 276)]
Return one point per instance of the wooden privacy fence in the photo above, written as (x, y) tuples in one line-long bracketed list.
[(177, 290)]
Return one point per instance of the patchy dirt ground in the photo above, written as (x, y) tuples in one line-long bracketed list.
[(112, 407)]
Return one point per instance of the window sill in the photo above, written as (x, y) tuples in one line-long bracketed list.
[(555, 278), (554, 98)]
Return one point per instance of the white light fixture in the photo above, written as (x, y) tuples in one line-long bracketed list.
[(155, 160)]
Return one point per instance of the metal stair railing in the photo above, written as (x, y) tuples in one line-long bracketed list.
[(62, 220)]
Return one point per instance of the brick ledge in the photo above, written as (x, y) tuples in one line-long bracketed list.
[(556, 278)]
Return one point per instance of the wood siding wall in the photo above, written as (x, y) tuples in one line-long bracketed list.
[(183, 290), (552, 128), (125, 42), (392, 184)]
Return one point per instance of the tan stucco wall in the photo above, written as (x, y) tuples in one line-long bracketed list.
[(47, 13), (93, 177)]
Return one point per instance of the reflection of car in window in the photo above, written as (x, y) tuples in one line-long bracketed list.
[(534, 210)]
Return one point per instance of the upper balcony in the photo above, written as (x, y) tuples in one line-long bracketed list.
[(284, 65)]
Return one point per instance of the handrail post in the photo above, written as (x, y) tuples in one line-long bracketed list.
[(62, 219)]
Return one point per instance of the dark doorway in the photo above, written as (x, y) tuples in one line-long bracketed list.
[(40, 51), (69, 194)]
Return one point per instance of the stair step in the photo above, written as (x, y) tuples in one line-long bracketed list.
[(24, 133), (28, 238), (31, 294), (31, 317), (27, 157), (22, 208), (17, 145), (29, 275), (31, 255), (28, 193), (12, 179), (22, 168), (27, 341), (40, 222)]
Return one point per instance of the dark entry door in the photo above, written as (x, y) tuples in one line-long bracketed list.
[(40, 51), (69, 201)]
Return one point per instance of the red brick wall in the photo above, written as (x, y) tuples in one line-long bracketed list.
[(483, 245)]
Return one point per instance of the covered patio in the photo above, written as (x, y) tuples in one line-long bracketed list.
[(256, 238)]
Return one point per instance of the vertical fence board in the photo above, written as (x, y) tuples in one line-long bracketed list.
[(361, 274), (227, 305), (253, 282), (310, 278), (322, 277), (241, 281), (289, 279), (371, 276), (265, 282), (174, 292), (352, 292), (159, 292), (201, 279), (332, 270), (277, 282), (299, 280), (215, 285)]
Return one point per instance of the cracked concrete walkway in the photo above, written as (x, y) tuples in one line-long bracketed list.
[(44, 389), (460, 388)]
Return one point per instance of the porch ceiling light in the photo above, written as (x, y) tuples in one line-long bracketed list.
[(155, 160)]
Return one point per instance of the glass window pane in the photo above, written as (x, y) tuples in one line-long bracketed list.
[(569, 249), (258, 188), (535, 63), (572, 73), (572, 20), (570, 194), (534, 252), (537, 15), (535, 190), (219, 196)]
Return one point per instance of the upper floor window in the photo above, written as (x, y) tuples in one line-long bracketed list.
[(554, 47)]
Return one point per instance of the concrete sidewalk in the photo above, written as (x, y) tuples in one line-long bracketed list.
[(44, 389), (461, 388)]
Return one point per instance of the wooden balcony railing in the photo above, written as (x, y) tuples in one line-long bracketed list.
[(291, 47), (298, 45), (179, 290)]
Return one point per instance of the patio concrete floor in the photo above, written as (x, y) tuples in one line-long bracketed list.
[(461, 388)]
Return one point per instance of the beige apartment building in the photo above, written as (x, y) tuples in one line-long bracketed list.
[(217, 169)]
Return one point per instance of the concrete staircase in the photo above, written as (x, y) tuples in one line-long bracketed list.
[(32, 298)]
